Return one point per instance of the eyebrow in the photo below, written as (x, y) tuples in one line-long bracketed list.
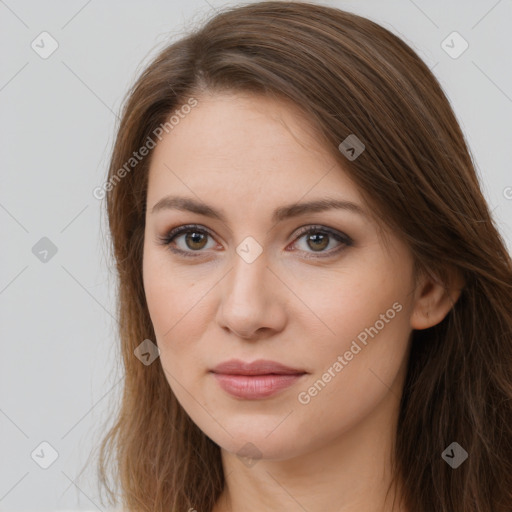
[(280, 214)]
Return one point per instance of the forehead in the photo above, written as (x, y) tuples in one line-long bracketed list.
[(248, 144)]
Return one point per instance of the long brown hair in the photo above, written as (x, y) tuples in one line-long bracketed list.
[(348, 75)]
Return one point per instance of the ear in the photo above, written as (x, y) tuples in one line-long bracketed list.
[(434, 299)]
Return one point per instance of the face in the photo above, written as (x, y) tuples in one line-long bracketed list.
[(314, 289)]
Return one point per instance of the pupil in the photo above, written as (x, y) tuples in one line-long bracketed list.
[(316, 238), (196, 238)]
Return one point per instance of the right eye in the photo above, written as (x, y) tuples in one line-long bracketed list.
[(193, 240)]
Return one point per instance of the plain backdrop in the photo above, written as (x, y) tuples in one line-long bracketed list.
[(58, 355)]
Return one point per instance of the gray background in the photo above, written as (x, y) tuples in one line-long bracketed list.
[(58, 370)]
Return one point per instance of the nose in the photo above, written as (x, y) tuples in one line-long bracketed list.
[(252, 303)]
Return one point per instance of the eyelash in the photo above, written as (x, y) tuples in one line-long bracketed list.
[(194, 228)]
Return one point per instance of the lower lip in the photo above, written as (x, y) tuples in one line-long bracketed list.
[(255, 386)]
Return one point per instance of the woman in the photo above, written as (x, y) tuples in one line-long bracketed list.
[(314, 301)]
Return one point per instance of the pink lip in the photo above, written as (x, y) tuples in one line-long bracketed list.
[(258, 367), (258, 379)]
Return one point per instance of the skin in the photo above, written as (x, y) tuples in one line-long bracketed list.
[(247, 155)]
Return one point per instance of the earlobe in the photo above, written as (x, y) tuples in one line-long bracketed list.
[(435, 300)]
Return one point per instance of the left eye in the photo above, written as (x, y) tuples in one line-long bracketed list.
[(194, 239), (318, 239)]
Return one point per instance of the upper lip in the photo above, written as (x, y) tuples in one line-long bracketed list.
[(258, 367)]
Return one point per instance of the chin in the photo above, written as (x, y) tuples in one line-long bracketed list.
[(255, 439), (250, 449)]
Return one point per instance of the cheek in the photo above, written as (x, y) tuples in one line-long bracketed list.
[(344, 303), (353, 379), (171, 315), (178, 307), (164, 297), (365, 336)]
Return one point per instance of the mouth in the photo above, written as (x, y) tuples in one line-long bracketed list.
[(256, 380)]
